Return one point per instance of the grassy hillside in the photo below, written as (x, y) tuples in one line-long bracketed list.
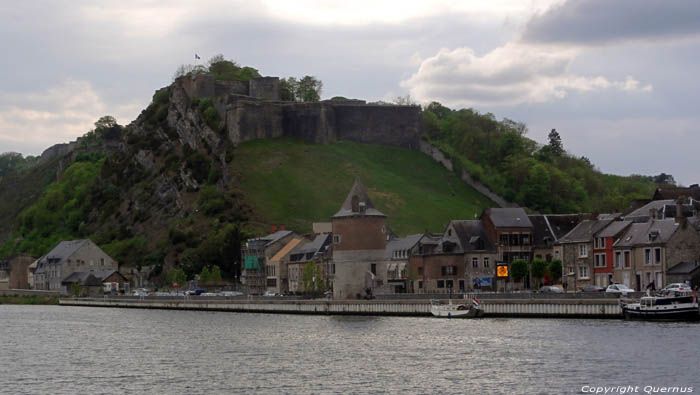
[(294, 183)]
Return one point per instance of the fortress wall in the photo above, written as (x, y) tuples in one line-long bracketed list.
[(246, 120), (267, 88), (222, 88), (389, 125), (313, 122)]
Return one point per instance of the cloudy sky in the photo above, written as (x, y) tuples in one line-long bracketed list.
[(617, 79)]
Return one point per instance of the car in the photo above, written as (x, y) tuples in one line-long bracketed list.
[(231, 293), (270, 293), (207, 294), (677, 287), (550, 289), (622, 289), (592, 288)]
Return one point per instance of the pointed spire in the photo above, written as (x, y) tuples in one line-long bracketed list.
[(358, 203)]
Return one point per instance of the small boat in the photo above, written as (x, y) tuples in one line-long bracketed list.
[(672, 305), (456, 310)]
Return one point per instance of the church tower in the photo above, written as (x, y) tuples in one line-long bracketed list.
[(359, 242)]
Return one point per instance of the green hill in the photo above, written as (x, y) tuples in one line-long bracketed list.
[(294, 183)]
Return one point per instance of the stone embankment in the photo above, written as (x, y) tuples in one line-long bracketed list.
[(555, 308)]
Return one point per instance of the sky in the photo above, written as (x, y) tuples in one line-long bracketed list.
[(616, 79)]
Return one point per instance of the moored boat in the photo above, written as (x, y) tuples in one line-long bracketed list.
[(682, 306), (455, 310)]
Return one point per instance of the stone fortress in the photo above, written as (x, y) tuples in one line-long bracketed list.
[(253, 110)]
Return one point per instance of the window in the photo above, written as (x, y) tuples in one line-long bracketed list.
[(448, 270), (420, 284), (486, 261), (647, 256), (441, 283), (526, 239), (582, 250), (461, 284), (449, 232), (514, 240), (475, 262), (628, 263), (336, 239), (599, 242), (600, 260), (583, 272), (420, 270), (618, 260), (504, 239), (449, 284), (374, 269), (657, 256)]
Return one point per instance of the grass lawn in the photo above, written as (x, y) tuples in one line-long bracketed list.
[(294, 183)]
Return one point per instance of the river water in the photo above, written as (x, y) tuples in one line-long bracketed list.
[(69, 350)]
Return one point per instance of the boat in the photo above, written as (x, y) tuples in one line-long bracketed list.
[(455, 310), (673, 305)]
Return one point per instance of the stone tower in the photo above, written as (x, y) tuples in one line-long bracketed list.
[(359, 242)]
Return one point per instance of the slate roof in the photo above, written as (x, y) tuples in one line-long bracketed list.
[(684, 268), (82, 277), (358, 190), (273, 237), (510, 217), (400, 244), (60, 252), (584, 231), (467, 230), (614, 228), (307, 251), (286, 250), (638, 233), (642, 213)]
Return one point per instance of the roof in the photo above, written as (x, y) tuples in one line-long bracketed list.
[(82, 277), (585, 231), (61, 251), (469, 232), (273, 237), (638, 233), (286, 250), (643, 212), (307, 251), (684, 268), (404, 243), (614, 228), (676, 192), (509, 217), (358, 193)]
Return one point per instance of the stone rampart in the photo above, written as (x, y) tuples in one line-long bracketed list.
[(266, 88)]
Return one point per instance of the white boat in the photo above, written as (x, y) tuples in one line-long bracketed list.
[(672, 305), (455, 310)]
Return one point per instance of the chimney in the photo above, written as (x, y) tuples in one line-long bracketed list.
[(273, 229), (282, 227)]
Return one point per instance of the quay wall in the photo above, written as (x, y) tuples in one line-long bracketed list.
[(565, 308)]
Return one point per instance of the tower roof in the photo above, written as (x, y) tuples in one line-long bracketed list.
[(358, 203)]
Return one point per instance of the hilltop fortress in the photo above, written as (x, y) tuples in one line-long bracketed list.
[(253, 110)]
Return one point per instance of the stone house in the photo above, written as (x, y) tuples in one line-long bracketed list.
[(603, 258), (15, 272), (548, 229), (276, 271), (684, 272), (318, 251), (359, 245), (66, 258), (577, 253), (511, 231), (256, 253), (645, 252), (91, 283), (397, 254)]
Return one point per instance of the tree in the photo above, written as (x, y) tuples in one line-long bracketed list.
[(519, 270), (405, 100), (309, 89), (105, 122), (215, 277), (312, 279), (288, 89), (539, 269), (180, 277), (554, 270), (205, 276), (555, 143)]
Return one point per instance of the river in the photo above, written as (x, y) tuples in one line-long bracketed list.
[(69, 350)]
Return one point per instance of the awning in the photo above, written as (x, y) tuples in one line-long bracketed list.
[(391, 268), (402, 267)]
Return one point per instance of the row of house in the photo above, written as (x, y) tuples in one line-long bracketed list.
[(358, 255), (69, 265)]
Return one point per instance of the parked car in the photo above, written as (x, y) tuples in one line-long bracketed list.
[(619, 289), (270, 293), (677, 287), (550, 289), (207, 294), (231, 293), (197, 291), (592, 288)]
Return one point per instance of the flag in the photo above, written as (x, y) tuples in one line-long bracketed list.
[(475, 302), (196, 57)]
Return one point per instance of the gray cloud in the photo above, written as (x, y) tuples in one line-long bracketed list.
[(596, 22)]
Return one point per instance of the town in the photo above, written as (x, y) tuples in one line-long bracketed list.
[(356, 256)]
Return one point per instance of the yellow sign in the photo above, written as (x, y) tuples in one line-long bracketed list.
[(502, 271)]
